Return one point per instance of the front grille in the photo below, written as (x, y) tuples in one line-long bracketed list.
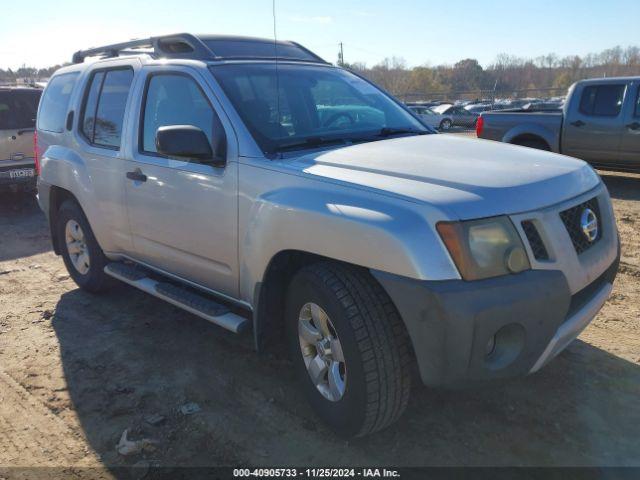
[(535, 241), (571, 220)]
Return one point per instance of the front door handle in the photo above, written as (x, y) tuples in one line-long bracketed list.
[(634, 126), (137, 176), (578, 123)]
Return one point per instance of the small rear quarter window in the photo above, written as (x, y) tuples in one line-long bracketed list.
[(55, 102)]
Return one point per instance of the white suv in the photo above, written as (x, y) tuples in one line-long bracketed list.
[(256, 186)]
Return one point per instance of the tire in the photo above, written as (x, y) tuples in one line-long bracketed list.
[(445, 125), (374, 344), (93, 279), (533, 143)]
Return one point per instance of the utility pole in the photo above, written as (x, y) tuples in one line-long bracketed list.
[(341, 56)]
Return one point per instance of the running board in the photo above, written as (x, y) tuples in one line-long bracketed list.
[(196, 303)]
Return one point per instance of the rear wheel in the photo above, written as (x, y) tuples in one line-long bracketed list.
[(533, 143), (81, 253), (349, 347)]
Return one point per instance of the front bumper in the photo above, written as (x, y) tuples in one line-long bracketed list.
[(470, 332)]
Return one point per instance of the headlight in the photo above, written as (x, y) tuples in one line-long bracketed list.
[(484, 248)]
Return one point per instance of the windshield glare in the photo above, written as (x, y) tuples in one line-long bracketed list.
[(313, 102)]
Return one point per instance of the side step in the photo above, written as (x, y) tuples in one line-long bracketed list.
[(181, 297)]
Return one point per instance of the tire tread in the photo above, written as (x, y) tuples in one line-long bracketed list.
[(381, 337)]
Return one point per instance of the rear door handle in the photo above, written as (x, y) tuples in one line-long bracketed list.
[(137, 176), (634, 126), (578, 123)]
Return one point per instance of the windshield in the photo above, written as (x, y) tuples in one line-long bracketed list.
[(315, 105), (18, 109), (441, 108)]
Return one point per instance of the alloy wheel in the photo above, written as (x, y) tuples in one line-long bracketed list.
[(322, 352)]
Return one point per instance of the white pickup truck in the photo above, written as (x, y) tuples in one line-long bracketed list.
[(262, 189)]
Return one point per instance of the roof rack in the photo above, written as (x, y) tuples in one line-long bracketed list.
[(182, 45), (206, 47)]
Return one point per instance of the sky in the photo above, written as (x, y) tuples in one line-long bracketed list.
[(42, 33)]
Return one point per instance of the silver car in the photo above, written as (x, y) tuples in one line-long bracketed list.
[(460, 116), (438, 121), (18, 107)]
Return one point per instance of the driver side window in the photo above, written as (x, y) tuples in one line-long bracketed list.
[(174, 99)]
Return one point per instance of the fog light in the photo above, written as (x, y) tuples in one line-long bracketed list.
[(491, 345), (516, 260), (505, 346)]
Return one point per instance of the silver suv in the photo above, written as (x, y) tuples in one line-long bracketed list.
[(256, 186), (18, 107)]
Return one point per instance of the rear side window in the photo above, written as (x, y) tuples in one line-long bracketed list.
[(174, 99), (637, 111), (602, 100), (18, 109), (103, 111), (55, 102)]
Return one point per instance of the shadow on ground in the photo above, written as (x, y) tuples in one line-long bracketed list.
[(127, 355), (23, 226), (622, 186)]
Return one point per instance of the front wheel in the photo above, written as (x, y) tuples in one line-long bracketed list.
[(445, 124), (349, 347)]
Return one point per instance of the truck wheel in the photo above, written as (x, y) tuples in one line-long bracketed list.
[(349, 347), (81, 253), (533, 143)]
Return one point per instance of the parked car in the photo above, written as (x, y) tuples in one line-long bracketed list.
[(429, 104), (542, 106), (18, 107), (365, 246), (433, 119), (461, 117), (599, 123), (478, 108)]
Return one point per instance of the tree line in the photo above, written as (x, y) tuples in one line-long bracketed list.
[(509, 75), (26, 74)]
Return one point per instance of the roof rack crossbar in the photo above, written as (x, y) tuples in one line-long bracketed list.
[(182, 45)]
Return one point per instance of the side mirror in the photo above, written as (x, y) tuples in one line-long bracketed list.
[(190, 143)]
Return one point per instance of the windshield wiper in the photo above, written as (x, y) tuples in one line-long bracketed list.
[(310, 142), (389, 131)]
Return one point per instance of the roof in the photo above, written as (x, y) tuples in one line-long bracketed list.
[(204, 47), (609, 79)]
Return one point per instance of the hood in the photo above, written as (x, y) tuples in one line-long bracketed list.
[(465, 177)]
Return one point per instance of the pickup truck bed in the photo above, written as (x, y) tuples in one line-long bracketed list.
[(600, 123), (523, 128)]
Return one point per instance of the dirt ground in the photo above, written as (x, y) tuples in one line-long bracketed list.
[(76, 370)]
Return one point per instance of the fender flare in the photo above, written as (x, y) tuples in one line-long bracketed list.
[(65, 169)]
